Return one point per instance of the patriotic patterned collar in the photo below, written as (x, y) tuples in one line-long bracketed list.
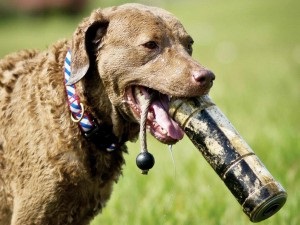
[(87, 124)]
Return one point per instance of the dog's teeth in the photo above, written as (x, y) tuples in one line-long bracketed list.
[(128, 99), (163, 131)]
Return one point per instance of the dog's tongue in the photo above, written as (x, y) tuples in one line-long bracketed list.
[(163, 118)]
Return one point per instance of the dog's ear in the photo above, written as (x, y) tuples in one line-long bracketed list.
[(85, 40)]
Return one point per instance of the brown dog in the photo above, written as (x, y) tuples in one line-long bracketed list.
[(52, 171)]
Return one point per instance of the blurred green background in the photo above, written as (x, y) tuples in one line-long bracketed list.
[(254, 49)]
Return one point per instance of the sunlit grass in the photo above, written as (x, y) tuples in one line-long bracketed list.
[(254, 49)]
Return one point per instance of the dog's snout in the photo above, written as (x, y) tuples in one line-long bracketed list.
[(203, 77)]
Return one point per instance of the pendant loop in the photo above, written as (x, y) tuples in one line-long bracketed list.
[(81, 117)]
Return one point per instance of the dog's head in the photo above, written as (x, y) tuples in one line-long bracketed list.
[(139, 51)]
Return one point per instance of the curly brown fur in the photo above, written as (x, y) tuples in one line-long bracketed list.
[(49, 173)]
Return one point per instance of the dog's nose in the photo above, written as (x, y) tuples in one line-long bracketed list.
[(203, 77)]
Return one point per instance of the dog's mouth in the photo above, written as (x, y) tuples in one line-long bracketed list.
[(159, 122)]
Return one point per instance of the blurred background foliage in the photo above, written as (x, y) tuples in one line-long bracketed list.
[(254, 49)]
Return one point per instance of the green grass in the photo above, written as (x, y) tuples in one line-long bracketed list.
[(254, 49)]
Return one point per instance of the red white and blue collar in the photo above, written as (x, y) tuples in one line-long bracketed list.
[(78, 114), (86, 123)]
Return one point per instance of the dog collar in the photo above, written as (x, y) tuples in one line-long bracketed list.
[(87, 124)]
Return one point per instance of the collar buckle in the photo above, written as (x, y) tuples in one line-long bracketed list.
[(101, 137)]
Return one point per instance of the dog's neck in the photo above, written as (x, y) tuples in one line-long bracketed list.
[(96, 97), (82, 106)]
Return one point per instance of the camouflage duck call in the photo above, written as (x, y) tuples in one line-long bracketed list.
[(259, 194)]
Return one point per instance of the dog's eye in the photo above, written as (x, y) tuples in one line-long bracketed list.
[(150, 45)]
